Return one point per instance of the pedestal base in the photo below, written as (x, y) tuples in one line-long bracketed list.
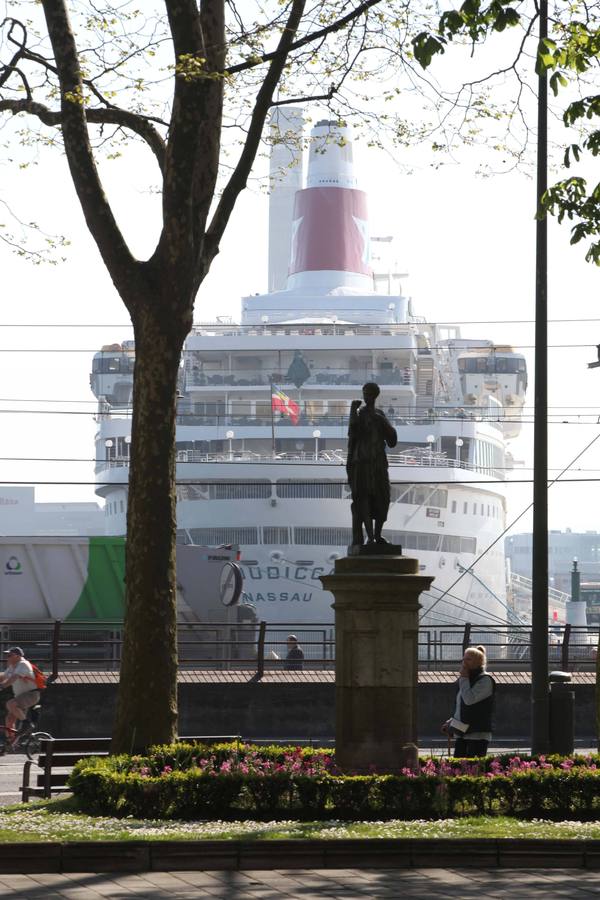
[(376, 615)]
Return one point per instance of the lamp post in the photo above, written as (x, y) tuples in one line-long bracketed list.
[(316, 435), (230, 436), (540, 707), (109, 444), (431, 441), (459, 442)]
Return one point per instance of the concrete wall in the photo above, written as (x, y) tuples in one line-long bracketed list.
[(301, 711)]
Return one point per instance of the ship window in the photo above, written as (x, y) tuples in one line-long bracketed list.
[(242, 490), (482, 513), (474, 509), (213, 537), (192, 492), (330, 537), (226, 490), (418, 495), (337, 408), (310, 490), (454, 506), (465, 507), (315, 409), (263, 409), (273, 534), (241, 408), (410, 540)]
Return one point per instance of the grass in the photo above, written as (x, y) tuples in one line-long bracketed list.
[(60, 820)]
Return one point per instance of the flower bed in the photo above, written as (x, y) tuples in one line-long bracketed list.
[(227, 781)]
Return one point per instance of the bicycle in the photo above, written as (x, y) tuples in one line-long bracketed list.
[(24, 739)]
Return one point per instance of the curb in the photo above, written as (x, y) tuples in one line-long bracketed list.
[(373, 853)]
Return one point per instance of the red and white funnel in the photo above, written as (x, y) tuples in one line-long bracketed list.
[(330, 231)]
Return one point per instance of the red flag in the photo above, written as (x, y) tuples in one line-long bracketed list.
[(280, 402)]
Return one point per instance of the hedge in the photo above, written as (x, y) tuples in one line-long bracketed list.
[(171, 782)]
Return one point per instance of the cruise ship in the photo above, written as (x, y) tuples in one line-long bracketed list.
[(264, 404)]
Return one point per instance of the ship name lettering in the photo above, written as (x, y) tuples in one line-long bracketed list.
[(283, 597)]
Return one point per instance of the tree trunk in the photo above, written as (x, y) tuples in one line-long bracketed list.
[(147, 697)]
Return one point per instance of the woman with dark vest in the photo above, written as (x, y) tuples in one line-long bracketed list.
[(472, 720)]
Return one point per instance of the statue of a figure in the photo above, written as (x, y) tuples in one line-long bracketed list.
[(368, 433)]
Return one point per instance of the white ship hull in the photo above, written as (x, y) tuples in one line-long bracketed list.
[(287, 544)]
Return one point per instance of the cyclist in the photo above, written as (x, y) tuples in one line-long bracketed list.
[(19, 675)]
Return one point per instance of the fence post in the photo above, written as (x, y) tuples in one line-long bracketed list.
[(260, 651), (55, 642), (466, 636), (564, 658)]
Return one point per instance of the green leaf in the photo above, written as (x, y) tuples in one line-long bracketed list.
[(425, 47)]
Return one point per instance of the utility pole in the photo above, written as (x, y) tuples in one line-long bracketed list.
[(540, 738)]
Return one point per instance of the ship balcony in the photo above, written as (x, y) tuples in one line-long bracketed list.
[(323, 378), (417, 463)]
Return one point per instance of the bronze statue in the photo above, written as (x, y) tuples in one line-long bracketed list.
[(368, 433)]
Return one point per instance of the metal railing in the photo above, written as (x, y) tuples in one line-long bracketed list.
[(258, 649)]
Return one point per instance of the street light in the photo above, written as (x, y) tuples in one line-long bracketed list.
[(431, 441), (459, 442), (230, 436), (109, 445), (316, 435)]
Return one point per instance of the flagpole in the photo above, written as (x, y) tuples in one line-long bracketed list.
[(272, 423)]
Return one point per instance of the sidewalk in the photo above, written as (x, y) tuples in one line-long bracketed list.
[(310, 884)]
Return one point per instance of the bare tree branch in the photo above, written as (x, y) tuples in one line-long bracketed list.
[(111, 116), (96, 208), (11, 66), (263, 102), (338, 25)]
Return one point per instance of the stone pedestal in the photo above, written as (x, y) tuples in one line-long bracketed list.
[(376, 620)]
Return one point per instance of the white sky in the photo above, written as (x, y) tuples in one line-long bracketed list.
[(467, 242)]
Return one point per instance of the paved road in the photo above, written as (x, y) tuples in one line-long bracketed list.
[(348, 884), (11, 772)]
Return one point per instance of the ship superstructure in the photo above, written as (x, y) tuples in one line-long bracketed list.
[(274, 484)]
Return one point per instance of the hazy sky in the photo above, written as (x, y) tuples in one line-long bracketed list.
[(467, 243)]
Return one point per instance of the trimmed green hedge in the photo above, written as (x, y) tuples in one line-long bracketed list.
[(170, 783)]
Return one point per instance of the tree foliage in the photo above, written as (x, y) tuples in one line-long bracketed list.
[(569, 56)]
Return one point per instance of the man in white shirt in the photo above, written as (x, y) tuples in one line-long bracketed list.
[(19, 675)]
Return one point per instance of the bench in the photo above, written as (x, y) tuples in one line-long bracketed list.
[(57, 757)]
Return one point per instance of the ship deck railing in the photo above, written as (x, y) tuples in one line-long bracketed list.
[(257, 648), (409, 458)]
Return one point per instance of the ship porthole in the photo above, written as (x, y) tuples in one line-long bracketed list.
[(442, 562), (276, 556)]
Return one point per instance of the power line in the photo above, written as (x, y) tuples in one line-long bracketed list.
[(186, 462), (520, 516), (276, 325), (429, 347), (315, 420), (197, 482)]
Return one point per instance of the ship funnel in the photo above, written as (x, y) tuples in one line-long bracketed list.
[(285, 178), (330, 235)]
